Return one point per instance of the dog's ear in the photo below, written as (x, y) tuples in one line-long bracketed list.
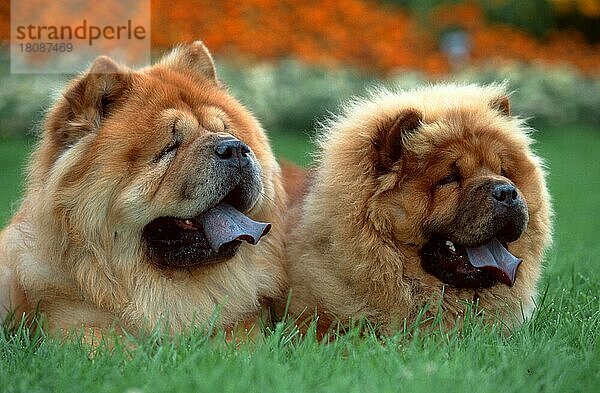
[(390, 136), (501, 104), (89, 101), (192, 59)]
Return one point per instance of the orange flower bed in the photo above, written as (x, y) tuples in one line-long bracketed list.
[(355, 32), (361, 33)]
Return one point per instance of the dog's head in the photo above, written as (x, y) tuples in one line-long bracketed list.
[(163, 154), (446, 173)]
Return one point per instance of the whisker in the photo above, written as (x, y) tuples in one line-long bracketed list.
[(268, 198)]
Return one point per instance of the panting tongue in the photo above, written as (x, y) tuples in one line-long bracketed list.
[(496, 259), (224, 223)]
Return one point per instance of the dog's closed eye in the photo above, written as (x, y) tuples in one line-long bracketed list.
[(169, 151), (449, 179)]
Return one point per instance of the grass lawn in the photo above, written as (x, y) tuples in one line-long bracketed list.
[(559, 350), (13, 155)]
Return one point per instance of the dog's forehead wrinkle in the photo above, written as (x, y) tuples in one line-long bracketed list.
[(178, 90)]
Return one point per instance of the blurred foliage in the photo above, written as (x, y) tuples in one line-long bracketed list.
[(24, 98), (548, 96), (533, 16), (581, 15), (537, 17), (292, 96), (289, 95), (588, 8)]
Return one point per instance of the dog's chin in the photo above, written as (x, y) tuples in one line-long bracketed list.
[(175, 242)]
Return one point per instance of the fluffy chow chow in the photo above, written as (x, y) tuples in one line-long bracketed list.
[(147, 197), (428, 199)]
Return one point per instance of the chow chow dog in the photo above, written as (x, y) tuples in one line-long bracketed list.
[(146, 199), (421, 203)]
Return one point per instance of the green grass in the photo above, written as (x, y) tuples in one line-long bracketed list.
[(13, 154), (559, 350), (292, 146)]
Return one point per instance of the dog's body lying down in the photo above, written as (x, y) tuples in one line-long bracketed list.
[(138, 204), (424, 199)]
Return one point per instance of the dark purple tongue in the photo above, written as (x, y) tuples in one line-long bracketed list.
[(496, 259), (224, 223)]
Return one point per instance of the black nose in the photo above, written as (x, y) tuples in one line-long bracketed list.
[(506, 195), (234, 151)]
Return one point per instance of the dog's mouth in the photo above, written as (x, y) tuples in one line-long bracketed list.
[(470, 267), (213, 236)]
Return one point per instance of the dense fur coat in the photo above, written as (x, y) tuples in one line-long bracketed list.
[(394, 171), (119, 149)]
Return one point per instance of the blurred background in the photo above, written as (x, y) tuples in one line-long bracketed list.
[(293, 61)]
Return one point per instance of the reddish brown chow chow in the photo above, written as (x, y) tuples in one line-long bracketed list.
[(143, 196), (420, 199)]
